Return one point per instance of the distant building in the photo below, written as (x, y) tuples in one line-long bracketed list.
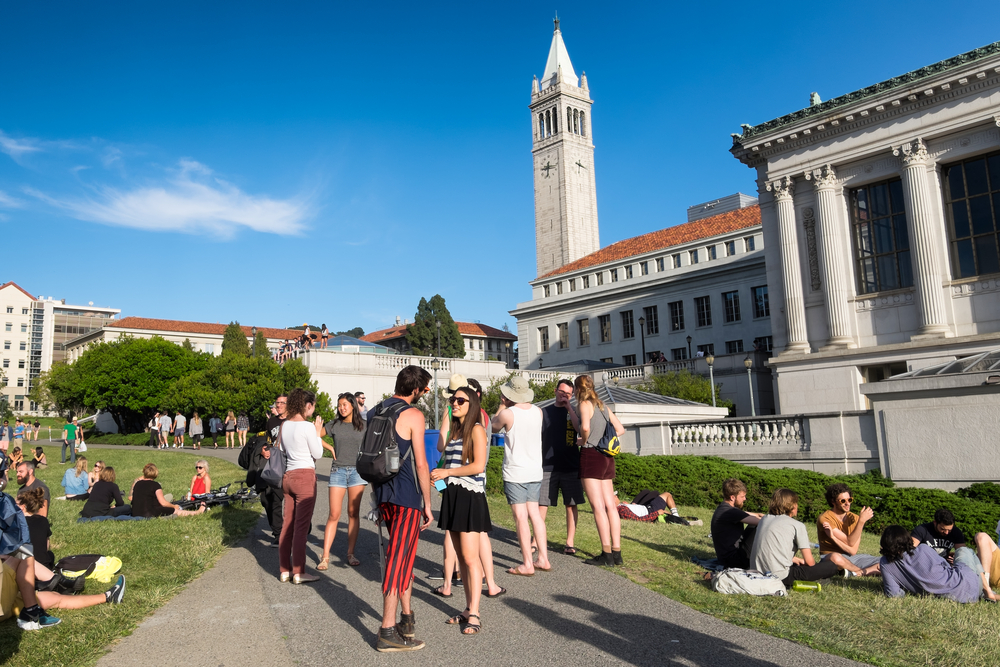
[(204, 336), (482, 342), (35, 334)]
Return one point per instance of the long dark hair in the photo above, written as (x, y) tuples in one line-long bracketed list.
[(471, 421), (356, 421), (895, 542)]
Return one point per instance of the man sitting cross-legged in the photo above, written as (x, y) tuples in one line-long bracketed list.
[(839, 530), (779, 536), (733, 529)]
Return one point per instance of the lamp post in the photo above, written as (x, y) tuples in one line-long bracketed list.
[(642, 333), (435, 365), (748, 362), (711, 375), (253, 332), (507, 361), (689, 348)]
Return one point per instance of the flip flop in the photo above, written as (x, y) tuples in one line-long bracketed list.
[(543, 569), (569, 551), (458, 619), (497, 594), (519, 574), (439, 591), (469, 625)]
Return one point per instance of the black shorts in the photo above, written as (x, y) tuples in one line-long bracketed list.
[(569, 482)]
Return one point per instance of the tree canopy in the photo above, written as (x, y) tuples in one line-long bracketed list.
[(234, 341), (356, 332), (422, 334), (684, 385)]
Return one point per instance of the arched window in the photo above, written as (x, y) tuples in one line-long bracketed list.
[(569, 119), (548, 124), (583, 124), (576, 121), (541, 126), (555, 120)]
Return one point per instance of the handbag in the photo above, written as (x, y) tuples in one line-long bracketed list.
[(274, 470)]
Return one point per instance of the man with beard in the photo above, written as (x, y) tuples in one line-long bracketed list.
[(733, 529)]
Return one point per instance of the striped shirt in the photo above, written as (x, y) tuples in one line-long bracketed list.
[(453, 459)]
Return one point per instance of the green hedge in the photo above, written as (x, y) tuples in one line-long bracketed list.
[(697, 481)]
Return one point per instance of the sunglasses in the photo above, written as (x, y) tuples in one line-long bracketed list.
[(199, 467), (458, 400), (846, 501)]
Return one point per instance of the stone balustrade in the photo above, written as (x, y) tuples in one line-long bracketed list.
[(781, 431)]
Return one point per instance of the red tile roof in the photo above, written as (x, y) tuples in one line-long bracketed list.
[(690, 231), (464, 328), (178, 326), (15, 285)]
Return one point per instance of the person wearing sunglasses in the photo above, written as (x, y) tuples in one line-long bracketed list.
[(839, 529), (348, 432), (201, 482)]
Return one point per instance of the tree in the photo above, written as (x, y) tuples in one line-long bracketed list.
[(294, 374), (422, 334), (260, 345), (234, 341), (684, 385), (188, 345), (356, 332)]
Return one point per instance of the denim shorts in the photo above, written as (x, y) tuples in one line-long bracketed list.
[(519, 494), (345, 477)]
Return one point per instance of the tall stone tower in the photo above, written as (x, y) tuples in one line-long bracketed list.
[(563, 155)]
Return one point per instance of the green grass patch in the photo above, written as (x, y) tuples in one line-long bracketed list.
[(850, 618), (159, 556)]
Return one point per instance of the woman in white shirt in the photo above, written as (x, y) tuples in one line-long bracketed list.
[(301, 443)]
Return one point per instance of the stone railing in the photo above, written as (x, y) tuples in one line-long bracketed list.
[(786, 432), (396, 362)]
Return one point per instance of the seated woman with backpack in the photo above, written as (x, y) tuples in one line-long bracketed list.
[(147, 497), (102, 494)]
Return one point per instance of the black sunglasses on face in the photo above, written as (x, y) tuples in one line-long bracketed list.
[(458, 400)]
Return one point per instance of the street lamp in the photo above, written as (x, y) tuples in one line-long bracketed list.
[(689, 348), (748, 362), (711, 375), (435, 365), (253, 332), (508, 354), (642, 332)]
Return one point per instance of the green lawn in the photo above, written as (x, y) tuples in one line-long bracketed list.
[(159, 556), (849, 618)]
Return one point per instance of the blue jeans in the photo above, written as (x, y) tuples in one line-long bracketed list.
[(969, 559), (72, 451), (345, 477)]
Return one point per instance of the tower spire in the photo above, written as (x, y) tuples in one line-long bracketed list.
[(558, 57)]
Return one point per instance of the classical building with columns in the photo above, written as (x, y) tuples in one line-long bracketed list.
[(880, 211)]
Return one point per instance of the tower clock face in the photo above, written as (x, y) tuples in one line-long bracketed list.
[(549, 167)]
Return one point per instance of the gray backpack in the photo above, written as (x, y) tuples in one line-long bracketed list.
[(734, 580)]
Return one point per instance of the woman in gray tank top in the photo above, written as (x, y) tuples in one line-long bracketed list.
[(347, 431)]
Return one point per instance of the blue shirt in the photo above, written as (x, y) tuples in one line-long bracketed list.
[(923, 572), (402, 489), (75, 486)]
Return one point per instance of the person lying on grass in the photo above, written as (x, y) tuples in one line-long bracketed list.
[(18, 596), (648, 505), (839, 529), (779, 536), (147, 499), (911, 566)]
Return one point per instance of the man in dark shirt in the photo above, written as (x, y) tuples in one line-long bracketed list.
[(561, 461), (26, 478), (270, 497), (941, 535), (733, 529)]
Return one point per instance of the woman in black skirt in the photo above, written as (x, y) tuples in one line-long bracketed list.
[(464, 510)]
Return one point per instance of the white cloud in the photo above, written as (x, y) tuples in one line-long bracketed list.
[(6, 201), (17, 147), (191, 201)]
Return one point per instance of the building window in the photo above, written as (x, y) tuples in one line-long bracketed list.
[(608, 360), (731, 300), (694, 257), (614, 275), (730, 248), (10, 309), (710, 253), (628, 272), (679, 353), (677, 261), (210, 348), (584, 327), (703, 309), (20, 382), (23, 345), (548, 292), (972, 228), (762, 344), (605, 321), (652, 320), (6, 345), (559, 288), (24, 328), (659, 265), (644, 268), (563, 335), (629, 360), (734, 346), (6, 363), (19, 402), (572, 284), (705, 350), (600, 278), (881, 240), (628, 327), (20, 363), (586, 282), (24, 311), (543, 339), (676, 315), (761, 306), (10, 326), (748, 244)]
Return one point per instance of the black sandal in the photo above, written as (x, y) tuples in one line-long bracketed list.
[(458, 619), (569, 551), (475, 627)]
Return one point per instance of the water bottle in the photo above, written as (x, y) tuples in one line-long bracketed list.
[(392, 458), (813, 586)]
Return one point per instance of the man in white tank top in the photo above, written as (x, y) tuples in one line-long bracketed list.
[(522, 468)]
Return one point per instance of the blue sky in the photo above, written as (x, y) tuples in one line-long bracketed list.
[(276, 163)]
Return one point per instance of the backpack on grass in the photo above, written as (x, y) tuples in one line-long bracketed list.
[(378, 458), (734, 580)]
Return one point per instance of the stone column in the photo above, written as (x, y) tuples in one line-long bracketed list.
[(831, 258), (919, 218), (791, 271)]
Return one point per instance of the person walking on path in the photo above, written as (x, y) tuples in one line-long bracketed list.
[(242, 426), (154, 431), (180, 426), (347, 431), (597, 469), (71, 432), (166, 427), (230, 429), (302, 445), (35, 427), (522, 469), (465, 513), (214, 426), (197, 431), (404, 503)]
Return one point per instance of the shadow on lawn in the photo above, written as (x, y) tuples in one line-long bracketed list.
[(10, 638)]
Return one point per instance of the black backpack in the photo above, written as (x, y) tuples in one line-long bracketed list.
[(609, 444), (378, 458)]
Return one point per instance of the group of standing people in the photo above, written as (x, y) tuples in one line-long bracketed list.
[(166, 433)]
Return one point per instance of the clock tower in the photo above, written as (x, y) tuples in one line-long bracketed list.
[(563, 156)]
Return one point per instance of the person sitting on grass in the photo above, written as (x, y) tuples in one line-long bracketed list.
[(26, 478), (733, 530), (201, 482), (40, 460), (147, 497), (76, 481), (648, 505), (102, 494), (30, 503), (839, 529), (779, 536), (16, 457), (941, 535), (17, 592), (989, 557), (94, 476), (909, 565)]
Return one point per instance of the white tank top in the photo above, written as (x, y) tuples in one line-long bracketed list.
[(522, 455)]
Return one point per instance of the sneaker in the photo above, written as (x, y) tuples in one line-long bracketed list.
[(115, 594), (36, 622), (406, 626), (390, 641), (604, 559)]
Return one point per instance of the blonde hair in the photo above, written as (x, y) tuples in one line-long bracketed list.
[(584, 390), (203, 462), (81, 464), (149, 471)]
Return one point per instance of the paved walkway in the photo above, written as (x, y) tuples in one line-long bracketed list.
[(238, 614)]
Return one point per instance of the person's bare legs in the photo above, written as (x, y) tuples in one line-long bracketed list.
[(521, 524), (595, 494), (611, 510), (467, 548), (450, 564), (571, 518), (544, 511), (842, 563), (540, 536), (669, 500), (987, 551), (179, 512), (486, 558), (336, 502), (49, 600), (354, 495), (24, 571)]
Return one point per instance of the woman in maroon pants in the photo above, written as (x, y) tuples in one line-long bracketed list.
[(301, 443)]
